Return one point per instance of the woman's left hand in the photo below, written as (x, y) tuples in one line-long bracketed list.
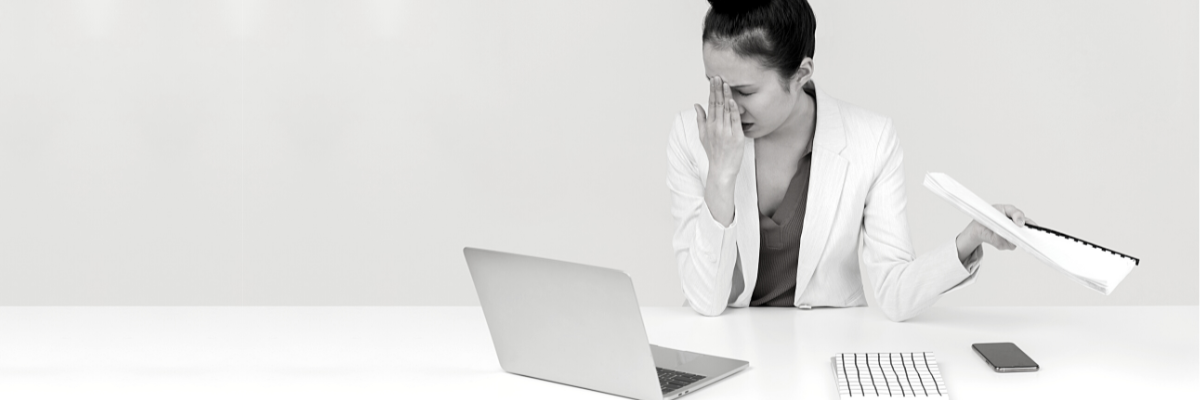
[(976, 234)]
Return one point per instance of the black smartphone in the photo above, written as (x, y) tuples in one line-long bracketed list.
[(1005, 357)]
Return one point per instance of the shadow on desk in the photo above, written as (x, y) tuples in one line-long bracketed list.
[(978, 316), (972, 316)]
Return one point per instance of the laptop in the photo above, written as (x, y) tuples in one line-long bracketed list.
[(580, 325)]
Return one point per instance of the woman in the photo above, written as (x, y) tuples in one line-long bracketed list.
[(774, 186)]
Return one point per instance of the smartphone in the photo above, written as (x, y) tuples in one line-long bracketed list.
[(1005, 357)]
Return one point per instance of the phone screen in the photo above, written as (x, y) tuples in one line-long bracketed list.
[(1005, 357)]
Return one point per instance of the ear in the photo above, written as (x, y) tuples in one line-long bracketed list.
[(803, 75)]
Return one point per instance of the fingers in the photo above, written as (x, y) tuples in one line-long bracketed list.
[(700, 118), (722, 111), (726, 93), (724, 108), (986, 235), (719, 91), (996, 241), (1017, 215), (735, 118), (728, 99), (1012, 212), (712, 98)]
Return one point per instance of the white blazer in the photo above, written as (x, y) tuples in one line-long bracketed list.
[(856, 192)]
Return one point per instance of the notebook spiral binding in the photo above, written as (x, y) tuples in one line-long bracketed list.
[(1066, 236)]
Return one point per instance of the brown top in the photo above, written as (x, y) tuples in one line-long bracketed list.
[(779, 247)]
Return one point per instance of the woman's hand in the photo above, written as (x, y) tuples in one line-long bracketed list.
[(721, 132), (976, 234)]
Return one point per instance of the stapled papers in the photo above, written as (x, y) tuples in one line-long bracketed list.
[(1091, 265)]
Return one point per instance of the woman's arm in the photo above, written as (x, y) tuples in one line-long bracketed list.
[(705, 250), (705, 236), (904, 285)]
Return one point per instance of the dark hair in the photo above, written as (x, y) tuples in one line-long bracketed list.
[(778, 33)]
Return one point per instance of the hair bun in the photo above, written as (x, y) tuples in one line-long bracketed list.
[(735, 6)]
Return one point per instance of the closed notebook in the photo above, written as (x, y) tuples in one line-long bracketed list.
[(1089, 264), (888, 375)]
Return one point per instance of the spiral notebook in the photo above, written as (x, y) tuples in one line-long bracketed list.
[(1089, 264), (887, 375)]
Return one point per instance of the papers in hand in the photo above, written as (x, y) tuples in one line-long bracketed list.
[(1093, 266)]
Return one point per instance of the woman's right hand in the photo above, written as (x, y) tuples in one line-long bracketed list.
[(721, 131)]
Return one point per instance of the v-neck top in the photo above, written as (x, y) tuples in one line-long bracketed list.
[(779, 246)]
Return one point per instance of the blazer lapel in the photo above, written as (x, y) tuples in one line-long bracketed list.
[(827, 178), (746, 213)]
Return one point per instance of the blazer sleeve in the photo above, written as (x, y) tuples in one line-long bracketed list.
[(904, 285), (705, 251)]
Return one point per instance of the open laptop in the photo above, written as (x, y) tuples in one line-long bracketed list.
[(580, 325)]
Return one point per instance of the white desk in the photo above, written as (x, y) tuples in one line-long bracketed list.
[(446, 352)]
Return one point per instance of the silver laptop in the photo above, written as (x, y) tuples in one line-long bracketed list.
[(581, 326)]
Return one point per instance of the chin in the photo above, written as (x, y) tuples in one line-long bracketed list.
[(754, 134)]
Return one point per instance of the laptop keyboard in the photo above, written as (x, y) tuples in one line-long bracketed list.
[(670, 380)]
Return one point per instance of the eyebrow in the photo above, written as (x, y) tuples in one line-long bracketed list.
[(731, 86)]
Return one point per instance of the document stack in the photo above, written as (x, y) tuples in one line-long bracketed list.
[(1087, 263)]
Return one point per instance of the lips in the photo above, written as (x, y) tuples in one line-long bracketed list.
[(746, 127)]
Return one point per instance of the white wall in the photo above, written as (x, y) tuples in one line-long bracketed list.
[(343, 152)]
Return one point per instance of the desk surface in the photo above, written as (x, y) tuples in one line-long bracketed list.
[(446, 352)]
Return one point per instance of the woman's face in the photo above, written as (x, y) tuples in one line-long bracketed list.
[(757, 90)]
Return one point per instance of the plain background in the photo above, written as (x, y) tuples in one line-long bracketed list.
[(344, 152)]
